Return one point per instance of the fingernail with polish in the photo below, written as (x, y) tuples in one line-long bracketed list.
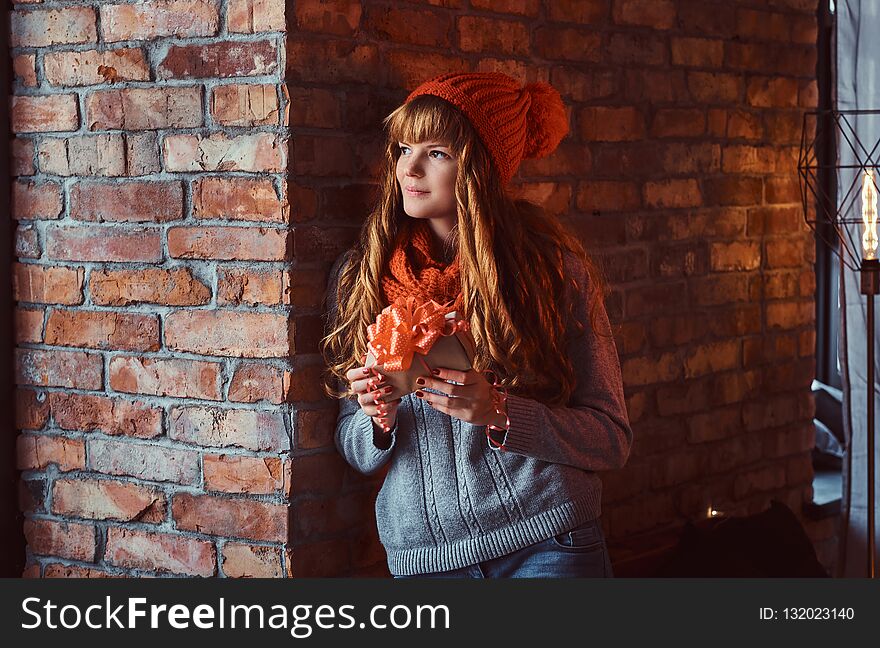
[(436, 372), (388, 389), (420, 381), (420, 394)]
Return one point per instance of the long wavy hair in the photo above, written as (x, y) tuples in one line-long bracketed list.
[(511, 266)]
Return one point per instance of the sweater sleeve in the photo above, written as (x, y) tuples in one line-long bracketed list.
[(354, 429), (593, 432)]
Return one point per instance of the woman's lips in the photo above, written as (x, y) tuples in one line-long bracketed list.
[(417, 193)]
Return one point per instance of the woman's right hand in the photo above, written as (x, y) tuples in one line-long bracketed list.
[(372, 392)]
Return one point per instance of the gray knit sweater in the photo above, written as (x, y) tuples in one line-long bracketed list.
[(450, 500)]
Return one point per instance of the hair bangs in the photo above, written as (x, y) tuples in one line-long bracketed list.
[(427, 118)]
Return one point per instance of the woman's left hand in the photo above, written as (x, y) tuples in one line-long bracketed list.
[(472, 401)]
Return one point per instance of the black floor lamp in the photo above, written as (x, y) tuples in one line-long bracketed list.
[(834, 220)]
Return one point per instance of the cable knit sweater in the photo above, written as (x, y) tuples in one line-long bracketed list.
[(450, 500)]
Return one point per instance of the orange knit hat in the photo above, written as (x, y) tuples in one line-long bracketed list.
[(514, 121)]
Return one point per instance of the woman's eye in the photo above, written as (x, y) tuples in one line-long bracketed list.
[(441, 153)]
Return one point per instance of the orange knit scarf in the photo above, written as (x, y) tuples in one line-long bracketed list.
[(414, 268)]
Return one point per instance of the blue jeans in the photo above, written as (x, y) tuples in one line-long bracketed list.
[(578, 553)]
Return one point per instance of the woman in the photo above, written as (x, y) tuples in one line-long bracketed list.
[(478, 485)]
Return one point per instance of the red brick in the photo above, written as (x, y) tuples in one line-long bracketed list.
[(676, 330), (41, 28), (585, 12), (57, 570), (44, 113), (61, 539), (788, 315), (396, 24), (240, 474), (763, 479), (228, 333), (228, 243), (128, 202), (697, 52), (147, 20), (772, 92), (107, 499), (177, 377), (637, 49), (244, 104), (319, 244), (604, 124), (715, 290), (24, 68), (103, 244), (35, 452), (313, 107), (251, 561), (555, 197), (668, 194), (103, 330), (144, 461), (109, 415), (253, 382), (141, 154), (744, 124), (320, 474), (144, 108), (739, 255), (763, 25), (656, 14), (402, 69), (170, 287), (31, 409), (47, 284), (516, 7), (254, 16), (567, 44), (749, 159), (324, 558), (647, 371), (22, 156), (219, 60), (715, 87), (29, 325), (679, 122), (307, 287), (314, 428), (84, 155), (335, 61), (320, 155), (732, 190), (232, 518), (220, 152), (785, 253), (712, 358), (238, 286), (212, 426), (583, 85), (656, 300), (37, 200), (162, 552), (341, 17), (27, 242), (91, 67), (252, 199), (56, 368)]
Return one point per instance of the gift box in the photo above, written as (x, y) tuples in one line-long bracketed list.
[(411, 338)]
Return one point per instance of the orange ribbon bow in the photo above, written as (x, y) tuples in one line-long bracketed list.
[(404, 328)]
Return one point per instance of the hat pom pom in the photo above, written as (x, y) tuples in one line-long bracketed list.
[(547, 122)]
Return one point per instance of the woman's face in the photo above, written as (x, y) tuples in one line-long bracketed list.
[(426, 175)]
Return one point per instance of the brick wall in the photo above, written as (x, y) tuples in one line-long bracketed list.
[(679, 173), (154, 322)]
